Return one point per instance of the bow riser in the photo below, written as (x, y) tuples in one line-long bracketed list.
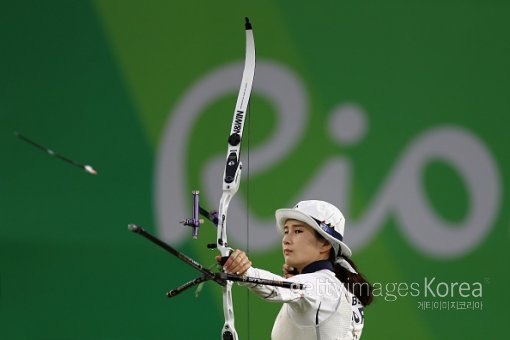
[(232, 175)]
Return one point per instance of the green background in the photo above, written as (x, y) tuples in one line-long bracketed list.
[(97, 81)]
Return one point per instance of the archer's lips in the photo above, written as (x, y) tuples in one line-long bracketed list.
[(287, 252)]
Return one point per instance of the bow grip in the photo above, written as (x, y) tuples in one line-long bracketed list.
[(224, 260)]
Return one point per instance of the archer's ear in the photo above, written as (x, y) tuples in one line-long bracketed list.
[(326, 246)]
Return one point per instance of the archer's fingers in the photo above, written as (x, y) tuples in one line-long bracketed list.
[(288, 271), (245, 267), (238, 263), (241, 267), (233, 259)]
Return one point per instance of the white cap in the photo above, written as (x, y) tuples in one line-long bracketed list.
[(321, 216)]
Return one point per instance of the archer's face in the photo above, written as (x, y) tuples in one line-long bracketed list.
[(300, 245)]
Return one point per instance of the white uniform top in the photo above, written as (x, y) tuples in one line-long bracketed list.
[(324, 310)]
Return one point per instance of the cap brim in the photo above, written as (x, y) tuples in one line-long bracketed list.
[(282, 215)]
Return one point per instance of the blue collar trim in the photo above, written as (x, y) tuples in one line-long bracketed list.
[(316, 266)]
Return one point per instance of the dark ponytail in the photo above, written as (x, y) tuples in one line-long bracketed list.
[(357, 284)]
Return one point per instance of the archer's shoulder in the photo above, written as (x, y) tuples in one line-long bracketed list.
[(320, 277)]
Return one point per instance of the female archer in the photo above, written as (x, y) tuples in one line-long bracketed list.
[(331, 304)]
